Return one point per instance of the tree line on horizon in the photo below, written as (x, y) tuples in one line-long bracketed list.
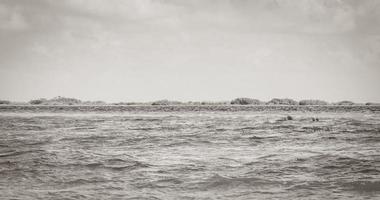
[(238, 101)]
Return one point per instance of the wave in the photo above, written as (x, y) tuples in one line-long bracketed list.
[(217, 182)]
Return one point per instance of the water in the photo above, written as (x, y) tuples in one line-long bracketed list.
[(68, 154)]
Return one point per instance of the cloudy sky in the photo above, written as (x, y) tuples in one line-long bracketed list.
[(143, 50)]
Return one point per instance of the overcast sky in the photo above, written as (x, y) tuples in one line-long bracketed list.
[(143, 50)]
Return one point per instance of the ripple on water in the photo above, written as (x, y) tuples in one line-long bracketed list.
[(193, 155)]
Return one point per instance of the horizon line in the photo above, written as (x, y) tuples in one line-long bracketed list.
[(238, 100)]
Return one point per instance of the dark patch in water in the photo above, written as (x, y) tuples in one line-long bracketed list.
[(364, 186)]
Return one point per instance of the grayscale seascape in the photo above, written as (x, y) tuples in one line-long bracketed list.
[(189, 99), (252, 152)]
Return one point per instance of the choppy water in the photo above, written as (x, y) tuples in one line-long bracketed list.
[(189, 155)]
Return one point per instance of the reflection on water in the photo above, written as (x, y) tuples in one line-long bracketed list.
[(189, 155)]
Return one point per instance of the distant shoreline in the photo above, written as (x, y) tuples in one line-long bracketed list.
[(186, 108), (64, 101), (184, 105)]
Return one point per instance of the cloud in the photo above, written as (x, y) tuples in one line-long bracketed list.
[(246, 39), (11, 20), (284, 16), (54, 28)]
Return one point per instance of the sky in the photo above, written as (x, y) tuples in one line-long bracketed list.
[(190, 50)]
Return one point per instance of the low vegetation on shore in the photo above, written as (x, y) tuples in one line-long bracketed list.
[(372, 104), (246, 101), (238, 101), (165, 103), (4, 102), (344, 103), (286, 101), (64, 101), (312, 102)]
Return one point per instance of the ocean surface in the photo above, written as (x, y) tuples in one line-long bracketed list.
[(226, 152)]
